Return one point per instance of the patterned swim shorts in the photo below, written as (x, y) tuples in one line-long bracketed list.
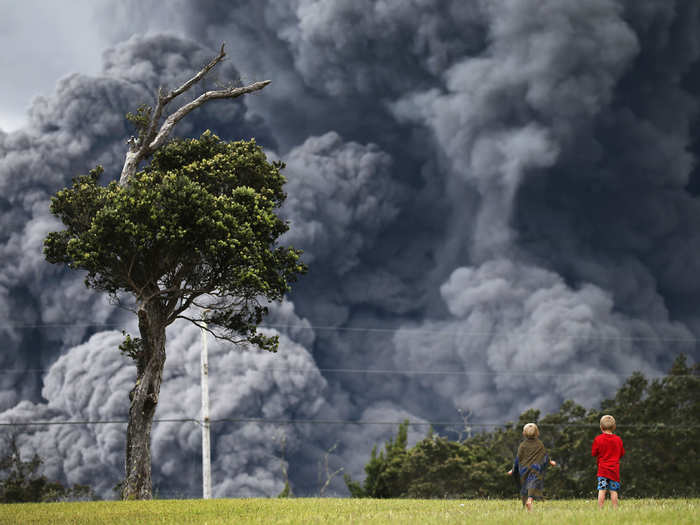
[(608, 484), (533, 487)]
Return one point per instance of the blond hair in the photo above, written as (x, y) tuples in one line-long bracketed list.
[(607, 422), (530, 430)]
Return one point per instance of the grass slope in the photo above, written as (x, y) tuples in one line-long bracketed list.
[(329, 510)]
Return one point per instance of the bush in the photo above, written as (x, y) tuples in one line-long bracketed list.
[(21, 482)]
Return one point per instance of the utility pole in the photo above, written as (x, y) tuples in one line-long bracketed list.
[(206, 444)]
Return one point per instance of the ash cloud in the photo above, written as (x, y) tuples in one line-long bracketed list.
[(499, 187), (90, 383), (339, 196), (514, 324)]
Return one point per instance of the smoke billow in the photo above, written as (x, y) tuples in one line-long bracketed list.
[(89, 384), (503, 189), (340, 195)]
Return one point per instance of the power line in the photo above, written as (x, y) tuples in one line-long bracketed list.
[(476, 333), (381, 371), (89, 422), (455, 372), (437, 423), (281, 421), (480, 333), (17, 324)]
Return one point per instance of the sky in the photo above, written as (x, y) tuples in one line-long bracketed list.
[(497, 200), (41, 42)]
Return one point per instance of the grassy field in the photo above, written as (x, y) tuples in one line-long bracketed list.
[(328, 510)]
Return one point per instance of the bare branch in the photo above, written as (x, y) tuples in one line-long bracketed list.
[(173, 119), (199, 76), (120, 303), (284, 465), (163, 100), (329, 475), (183, 307), (157, 134), (201, 324), (465, 415)]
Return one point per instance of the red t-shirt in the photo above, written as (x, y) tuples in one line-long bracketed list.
[(608, 449)]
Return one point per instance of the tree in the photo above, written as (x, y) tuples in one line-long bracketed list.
[(195, 229), (21, 482), (435, 467)]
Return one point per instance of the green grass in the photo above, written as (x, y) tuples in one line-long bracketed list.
[(329, 510)]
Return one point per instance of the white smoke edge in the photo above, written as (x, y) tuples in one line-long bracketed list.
[(244, 383), (340, 196)]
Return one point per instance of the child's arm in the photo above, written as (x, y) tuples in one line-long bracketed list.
[(516, 467), (552, 462), (594, 450)]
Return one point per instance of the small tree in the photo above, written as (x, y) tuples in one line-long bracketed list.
[(383, 470), (197, 228), (20, 481)]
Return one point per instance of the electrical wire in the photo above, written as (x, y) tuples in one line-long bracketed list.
[(479, 333), (280, 421), (381, 371)]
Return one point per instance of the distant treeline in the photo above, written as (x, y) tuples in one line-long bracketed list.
[(659, 422)]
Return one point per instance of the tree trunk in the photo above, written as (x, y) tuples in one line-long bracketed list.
[(144, 400)]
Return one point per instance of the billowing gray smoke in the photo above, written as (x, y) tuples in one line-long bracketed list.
[(499, 187)]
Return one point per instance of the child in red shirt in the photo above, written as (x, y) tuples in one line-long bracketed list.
[(607, 447)]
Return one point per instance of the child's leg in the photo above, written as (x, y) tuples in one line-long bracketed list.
[(613, 498), (528, 504), (601, 498)]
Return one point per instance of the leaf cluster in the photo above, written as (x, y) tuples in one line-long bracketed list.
[(199, 222), (141, 119)]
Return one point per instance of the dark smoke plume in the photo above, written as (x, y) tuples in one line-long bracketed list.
[(500, 187)]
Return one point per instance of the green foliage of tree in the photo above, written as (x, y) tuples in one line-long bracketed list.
[(659, 422), (199, 221), (383, 471), (196, 229), (21, 483)]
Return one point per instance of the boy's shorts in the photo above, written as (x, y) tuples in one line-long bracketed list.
[(532, 488), (608, 484)]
